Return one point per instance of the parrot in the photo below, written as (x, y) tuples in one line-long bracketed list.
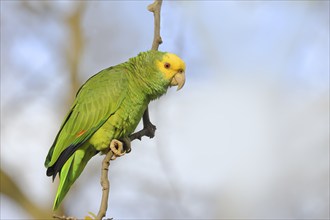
[(108, 106)]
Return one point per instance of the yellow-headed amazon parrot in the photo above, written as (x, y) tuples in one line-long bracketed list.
[(109, 106)]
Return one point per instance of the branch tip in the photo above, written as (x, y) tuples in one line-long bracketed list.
[(155, 6)]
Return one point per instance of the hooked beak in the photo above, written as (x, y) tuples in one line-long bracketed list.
[(178, 80)]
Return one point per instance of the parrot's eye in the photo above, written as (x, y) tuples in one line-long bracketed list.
[(167, 65)]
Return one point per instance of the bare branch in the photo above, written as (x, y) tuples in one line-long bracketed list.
[(116, 149), (11, 189), (155, 8), (74, 52), (105, 183)]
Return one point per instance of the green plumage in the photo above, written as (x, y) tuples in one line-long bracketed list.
[(108, 106)]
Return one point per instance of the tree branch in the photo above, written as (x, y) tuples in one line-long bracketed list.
[(105, 183), (155, 8), (10, 188)]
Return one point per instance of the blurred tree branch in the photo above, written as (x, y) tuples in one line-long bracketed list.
[(9, 188), (74, 52), (40, 12), (73, 55)]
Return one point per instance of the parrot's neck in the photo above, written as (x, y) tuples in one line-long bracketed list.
[(146, 79)]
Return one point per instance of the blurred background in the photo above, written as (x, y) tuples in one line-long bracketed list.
[(247, 137)]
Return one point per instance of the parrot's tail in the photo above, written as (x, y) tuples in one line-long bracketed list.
[(72, 170)]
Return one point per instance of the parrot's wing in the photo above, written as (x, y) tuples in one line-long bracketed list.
[(96, 101)]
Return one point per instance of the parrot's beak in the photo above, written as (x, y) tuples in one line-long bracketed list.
[(179, 79)]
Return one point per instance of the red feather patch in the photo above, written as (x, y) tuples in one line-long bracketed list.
[(81, 133)]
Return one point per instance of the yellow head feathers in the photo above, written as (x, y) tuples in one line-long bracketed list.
[(173, 68)]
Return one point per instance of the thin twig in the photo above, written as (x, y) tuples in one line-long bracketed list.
[(148, 128), (105, 183), (155, 8)]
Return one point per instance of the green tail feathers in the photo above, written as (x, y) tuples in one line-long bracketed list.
[(72, 170)]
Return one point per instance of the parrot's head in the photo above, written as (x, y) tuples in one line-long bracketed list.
[(173, 69)]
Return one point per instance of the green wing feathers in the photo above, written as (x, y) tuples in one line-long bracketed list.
[(95, 102)]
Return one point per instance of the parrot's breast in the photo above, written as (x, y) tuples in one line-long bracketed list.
[(120, 124)]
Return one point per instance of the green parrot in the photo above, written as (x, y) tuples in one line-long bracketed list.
[(109, 106)]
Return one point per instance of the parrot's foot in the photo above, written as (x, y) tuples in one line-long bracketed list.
[(150, 129), (127, 144), (117, 148)]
